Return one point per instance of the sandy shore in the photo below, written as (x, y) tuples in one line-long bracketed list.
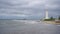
[(51, 22)]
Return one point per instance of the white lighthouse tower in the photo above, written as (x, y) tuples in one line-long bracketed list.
[(46, 14)]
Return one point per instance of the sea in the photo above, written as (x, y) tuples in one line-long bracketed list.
[(27, 27)]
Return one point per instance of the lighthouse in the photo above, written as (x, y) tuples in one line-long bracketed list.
[(46, 14)]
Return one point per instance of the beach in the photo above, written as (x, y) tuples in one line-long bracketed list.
[(27, 27)]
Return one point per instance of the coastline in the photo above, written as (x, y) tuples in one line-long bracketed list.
[(52, 22)]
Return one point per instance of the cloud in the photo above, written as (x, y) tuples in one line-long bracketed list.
[(29, 7)]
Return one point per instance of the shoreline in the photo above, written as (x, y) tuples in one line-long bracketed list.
[(52, 22)]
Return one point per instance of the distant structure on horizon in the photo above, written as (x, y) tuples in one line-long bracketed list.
[(46, 14)]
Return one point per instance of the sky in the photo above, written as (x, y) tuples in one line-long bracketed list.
[(29, 9)]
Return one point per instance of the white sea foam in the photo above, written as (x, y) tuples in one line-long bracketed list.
[(31, 22)]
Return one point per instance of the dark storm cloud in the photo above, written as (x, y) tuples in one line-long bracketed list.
[(29, 7)]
